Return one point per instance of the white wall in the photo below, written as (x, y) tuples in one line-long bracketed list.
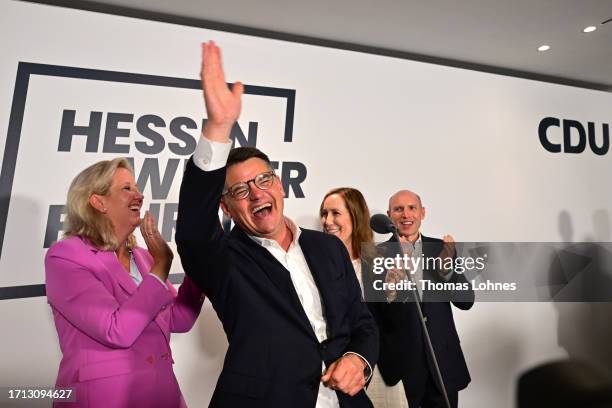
[(466, 141)]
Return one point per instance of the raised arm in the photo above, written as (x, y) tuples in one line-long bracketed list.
[(199, 235), (222, 104), (462, 299)]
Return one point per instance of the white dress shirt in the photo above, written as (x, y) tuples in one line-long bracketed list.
[(294, 261), (357, 266), (136, 275)]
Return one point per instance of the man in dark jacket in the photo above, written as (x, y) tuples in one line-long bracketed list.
[(299, 335), (403, 354)]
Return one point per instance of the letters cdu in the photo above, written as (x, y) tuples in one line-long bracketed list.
[(574, 136)]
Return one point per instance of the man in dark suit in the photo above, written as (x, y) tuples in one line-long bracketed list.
[(403, 352), (288, 298)]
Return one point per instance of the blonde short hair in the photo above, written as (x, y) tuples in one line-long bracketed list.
[(81, 218)]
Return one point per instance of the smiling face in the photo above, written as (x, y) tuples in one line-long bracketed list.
[(406, 212), (121, 205), (336, 219), (261, 213)]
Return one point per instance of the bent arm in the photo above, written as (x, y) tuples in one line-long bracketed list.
[(462, 299), (187, 306), (364, 331), (199, 235), (79, 296)]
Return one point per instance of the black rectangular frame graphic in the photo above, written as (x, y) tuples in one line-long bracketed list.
[(26, 69)]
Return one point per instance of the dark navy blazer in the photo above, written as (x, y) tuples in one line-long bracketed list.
[(274, 358), (403, 354)]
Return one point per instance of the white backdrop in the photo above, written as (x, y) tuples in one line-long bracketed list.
[(466, 141)]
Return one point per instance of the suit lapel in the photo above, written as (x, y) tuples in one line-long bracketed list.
[(115, 269), (277, 274), (430, 250), (144, 265), (109, 261), (309, 248), (271, 267), (427, 246)]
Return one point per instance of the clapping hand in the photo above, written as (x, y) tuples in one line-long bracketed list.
[(448, 251), (393, 276), (157, 246)]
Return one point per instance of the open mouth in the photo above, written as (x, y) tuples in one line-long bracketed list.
[(262, 210), (135, 208), (334, 231)]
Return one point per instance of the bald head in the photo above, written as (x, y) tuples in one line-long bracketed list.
[(405, 193), (406, 211)]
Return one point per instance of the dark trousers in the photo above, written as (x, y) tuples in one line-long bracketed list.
[(430, 396)]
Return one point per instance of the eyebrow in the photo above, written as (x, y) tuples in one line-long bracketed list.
[(254, 177), (399, 206)]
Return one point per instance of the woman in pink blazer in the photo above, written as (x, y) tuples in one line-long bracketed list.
[(113, 308)]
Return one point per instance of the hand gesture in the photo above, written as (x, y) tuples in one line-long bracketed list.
[(346, 374), (448, 251), (222, 104), (393, 276), (157, 246)]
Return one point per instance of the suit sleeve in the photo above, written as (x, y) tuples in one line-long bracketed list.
[(187, 306), (364, 332), (462, 299), (199, 235), (387, 316), (77, 294)]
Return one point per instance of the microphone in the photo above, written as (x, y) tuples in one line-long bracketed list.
[(381, 224)]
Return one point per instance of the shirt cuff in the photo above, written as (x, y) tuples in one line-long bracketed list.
[(367, 371), (209, 155), (159, 280)]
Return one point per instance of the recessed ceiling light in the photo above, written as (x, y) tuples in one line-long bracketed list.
[(589, 29), (544, 48)]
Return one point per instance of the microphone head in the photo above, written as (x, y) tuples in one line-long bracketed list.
[(382, 224)]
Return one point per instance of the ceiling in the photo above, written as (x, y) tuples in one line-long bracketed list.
[(490, 35)]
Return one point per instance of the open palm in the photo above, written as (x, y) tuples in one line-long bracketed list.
[(222, 104)]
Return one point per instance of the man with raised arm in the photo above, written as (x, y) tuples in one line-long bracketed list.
[(288, 298)]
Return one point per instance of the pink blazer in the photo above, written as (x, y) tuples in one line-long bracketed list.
[(114, 335)]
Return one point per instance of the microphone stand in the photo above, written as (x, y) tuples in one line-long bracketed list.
[(417, 301)]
